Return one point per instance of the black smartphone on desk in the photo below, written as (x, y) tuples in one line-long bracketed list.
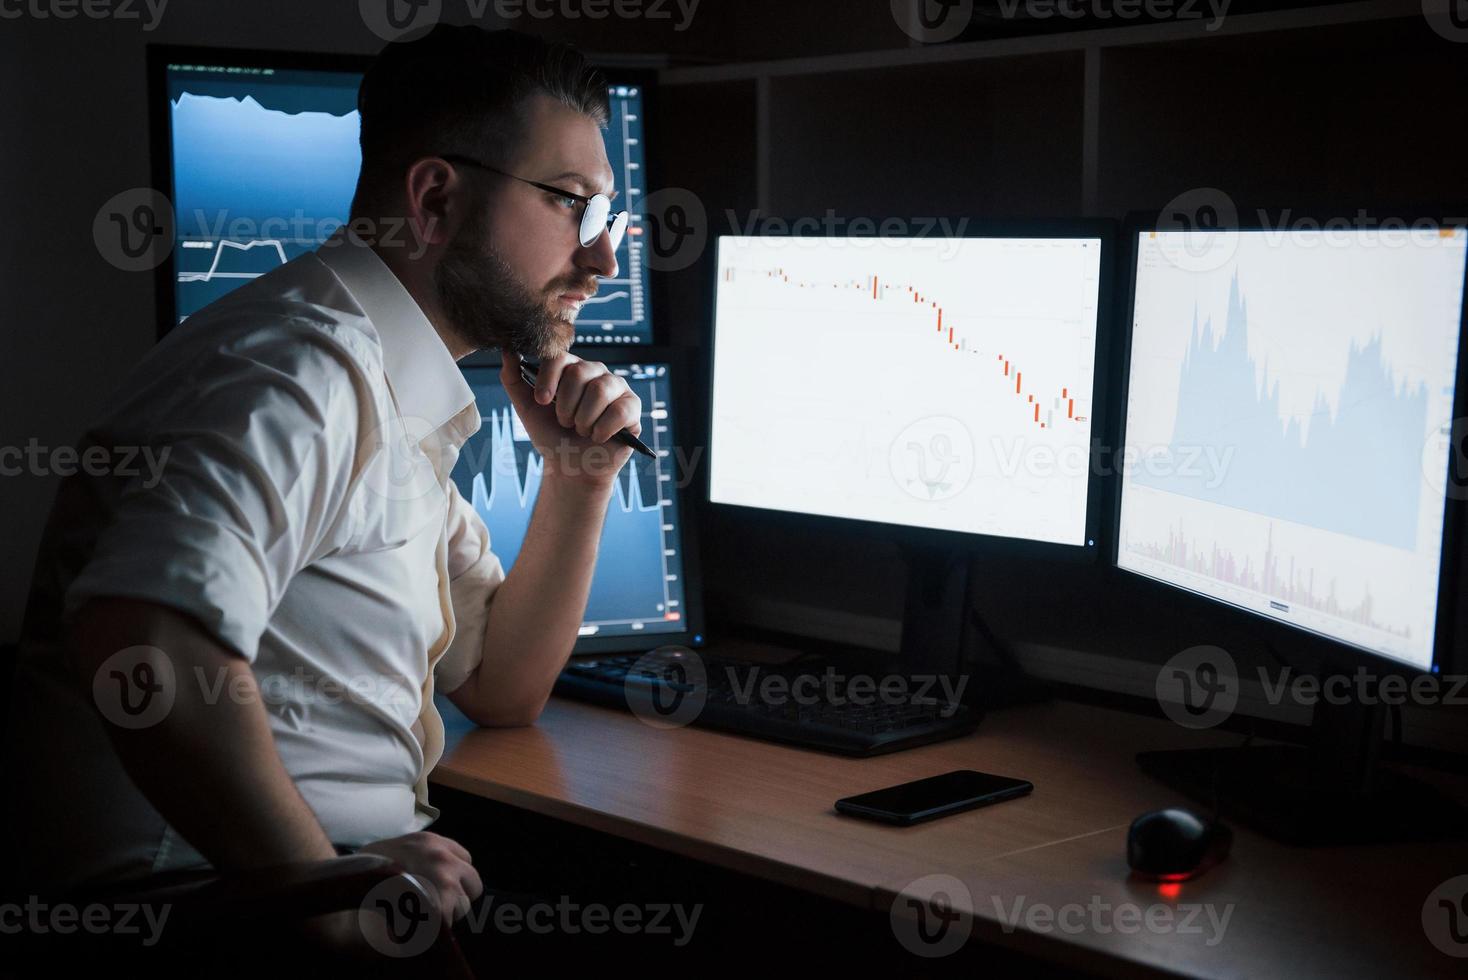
[(935, 796)]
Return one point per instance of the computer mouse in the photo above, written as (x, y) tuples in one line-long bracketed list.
[(1175, 844)]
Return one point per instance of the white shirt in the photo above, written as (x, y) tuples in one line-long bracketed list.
[(305, 517)]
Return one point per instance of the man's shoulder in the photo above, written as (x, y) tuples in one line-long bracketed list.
[(299, 307)]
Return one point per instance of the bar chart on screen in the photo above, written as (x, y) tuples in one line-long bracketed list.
[(938, 383)]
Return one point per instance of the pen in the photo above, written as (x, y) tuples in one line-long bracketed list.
[(528, 374)]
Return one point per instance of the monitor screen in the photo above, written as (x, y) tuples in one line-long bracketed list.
[(1288, 411), (639, 586), (264, 161), (922, 382)]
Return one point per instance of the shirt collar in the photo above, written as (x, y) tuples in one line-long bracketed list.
[(425, 378)]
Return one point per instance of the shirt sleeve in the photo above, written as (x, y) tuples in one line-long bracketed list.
[(262, 448), (475, 575)]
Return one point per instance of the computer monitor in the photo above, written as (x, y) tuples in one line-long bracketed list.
[(939, 391), (940, 385), (259, 154), (1288, 416), (1291, 391), (644, 590)]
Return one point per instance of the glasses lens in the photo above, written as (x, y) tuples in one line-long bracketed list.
[(618, 229), (594, 218)]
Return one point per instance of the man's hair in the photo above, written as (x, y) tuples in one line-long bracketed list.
[(462, 89)]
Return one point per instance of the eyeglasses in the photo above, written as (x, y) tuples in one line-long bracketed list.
[(596, 214)]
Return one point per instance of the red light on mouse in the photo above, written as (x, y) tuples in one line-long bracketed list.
[(1170, 891)]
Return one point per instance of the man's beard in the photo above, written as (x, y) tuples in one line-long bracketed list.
[(490, 307)]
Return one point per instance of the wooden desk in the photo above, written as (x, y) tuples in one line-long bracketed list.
[(766, 810)]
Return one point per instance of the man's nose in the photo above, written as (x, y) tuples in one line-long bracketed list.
[(599, 257)]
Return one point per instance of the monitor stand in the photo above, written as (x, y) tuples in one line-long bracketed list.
[(935, 621), (1332, 791)]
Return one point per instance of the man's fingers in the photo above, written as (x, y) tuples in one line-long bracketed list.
[(601, 396), (623, 413), (454, 846), (549, 376), (575, 381)]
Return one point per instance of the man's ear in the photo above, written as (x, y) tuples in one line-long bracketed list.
[(434, 201)]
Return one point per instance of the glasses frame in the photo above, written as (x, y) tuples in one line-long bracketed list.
[(615, 225)]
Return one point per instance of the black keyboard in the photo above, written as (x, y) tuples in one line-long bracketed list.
[(811, 705)]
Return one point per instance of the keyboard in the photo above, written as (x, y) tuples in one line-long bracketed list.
[(813, 704)]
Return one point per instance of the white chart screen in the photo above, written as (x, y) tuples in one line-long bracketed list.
[(931, 383), (1288, 425)]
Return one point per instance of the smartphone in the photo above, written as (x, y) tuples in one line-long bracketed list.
[(935, 796)]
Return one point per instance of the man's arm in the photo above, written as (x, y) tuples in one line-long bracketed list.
[(537, 610), (536, 614), (209, 764)]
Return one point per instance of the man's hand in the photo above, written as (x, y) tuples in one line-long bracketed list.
[(590, 405), (443, 865)]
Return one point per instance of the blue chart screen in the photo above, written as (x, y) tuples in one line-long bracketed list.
[(265, 162), (264, 165), (638, 583), (1288, 426)]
